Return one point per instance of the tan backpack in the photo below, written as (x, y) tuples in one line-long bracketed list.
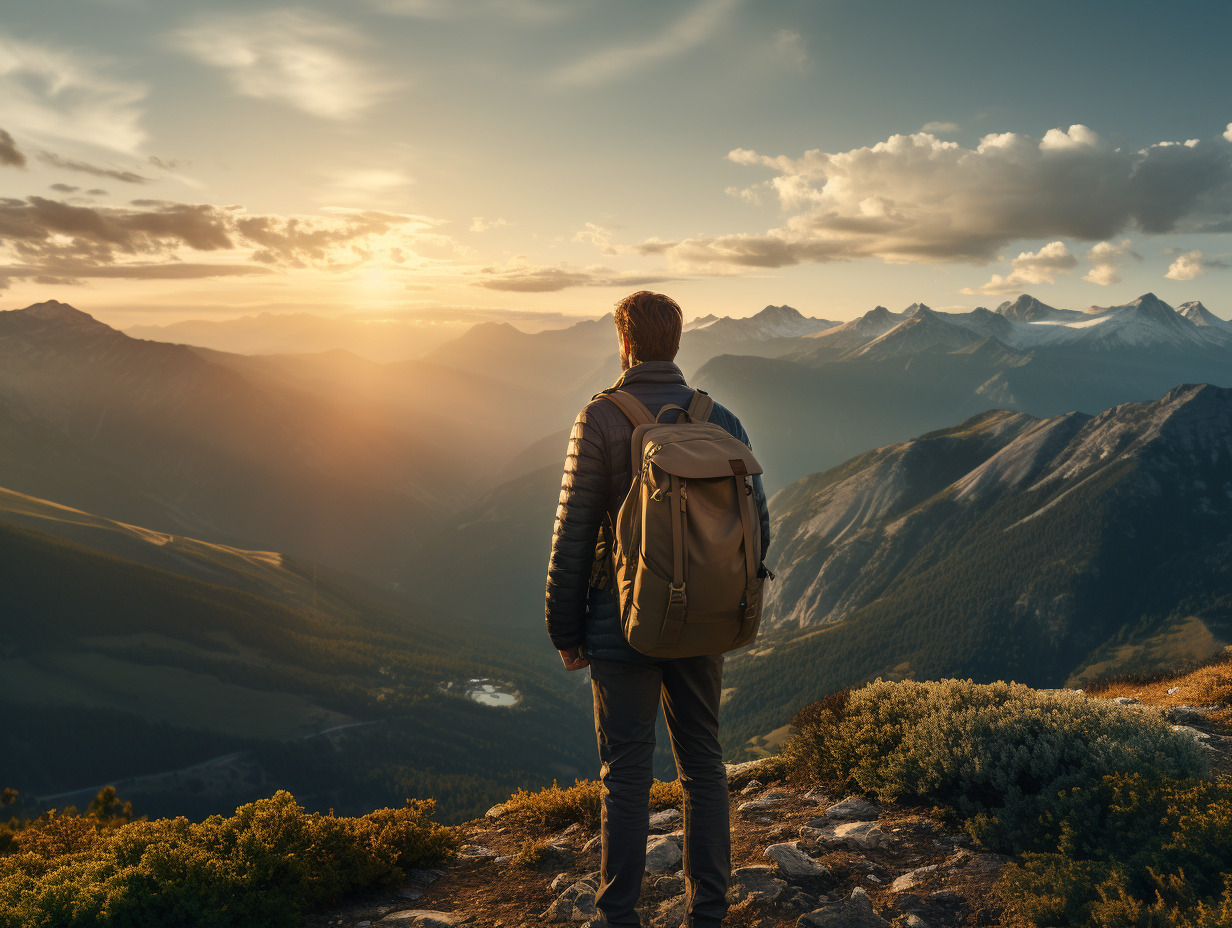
[(686, 543)]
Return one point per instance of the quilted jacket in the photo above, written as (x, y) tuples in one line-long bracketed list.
[(581, 608)]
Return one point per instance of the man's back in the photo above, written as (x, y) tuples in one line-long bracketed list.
[(581, 607)]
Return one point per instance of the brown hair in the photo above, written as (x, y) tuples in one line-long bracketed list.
[(652, 323)]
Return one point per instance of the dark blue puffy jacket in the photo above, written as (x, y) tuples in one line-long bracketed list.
[(598, 474)]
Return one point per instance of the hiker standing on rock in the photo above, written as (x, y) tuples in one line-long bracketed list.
[(656, 570)]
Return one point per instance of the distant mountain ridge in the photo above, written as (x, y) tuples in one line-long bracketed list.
[(1008, 546)]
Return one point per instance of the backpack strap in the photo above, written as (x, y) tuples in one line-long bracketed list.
[(700, 406), (633, 408)]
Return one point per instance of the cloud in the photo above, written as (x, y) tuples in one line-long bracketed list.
[(51, 239), (1030, 267), (1187, 266), (530, 10), (944, 128), (1227, 133), (83, 167), (693, 29), (10, 154), (479, 224), (53, 93), (527, 278), (789, 48), (918, 198), (599, 237), (1106, 260), (288, 56)]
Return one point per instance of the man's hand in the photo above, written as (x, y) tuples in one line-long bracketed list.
[(573, 660)]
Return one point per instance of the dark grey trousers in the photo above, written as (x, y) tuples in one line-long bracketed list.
[(626, 707)]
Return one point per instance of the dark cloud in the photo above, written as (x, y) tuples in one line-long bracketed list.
[(83, 167), (167, 164), (10, 154), (531, 279), (41, 237), (96, 192), (64, 188), (921, 199)]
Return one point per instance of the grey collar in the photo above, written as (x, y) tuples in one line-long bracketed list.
[(651, 372)]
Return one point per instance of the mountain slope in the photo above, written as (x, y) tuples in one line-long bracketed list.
[(1008, 546), (111, 668)]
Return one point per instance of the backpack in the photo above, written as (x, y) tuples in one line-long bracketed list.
[(686, 543)]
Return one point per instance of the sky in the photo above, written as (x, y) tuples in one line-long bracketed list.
[(448, 159)]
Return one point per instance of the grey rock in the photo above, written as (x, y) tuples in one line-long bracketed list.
[(559, 882), (408, 892), (855, 912), (747, 769), (753, 786), (764, 802), (669, 885), (913, 878), (664, 853), (761, 883), (667, 819), (420, 918), (476, 850), (1125, 701), (816, 794), (862, 836), (496, 811), (794, 864), (853, 808), (1201, 737), (1184, 715), (911, 920)]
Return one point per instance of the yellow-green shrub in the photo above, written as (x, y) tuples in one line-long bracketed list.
[(553, 808), (997, 754), (264, 866)]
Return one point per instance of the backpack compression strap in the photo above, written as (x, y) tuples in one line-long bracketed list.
[(633, 408)]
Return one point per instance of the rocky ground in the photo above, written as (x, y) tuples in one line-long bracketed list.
[(811, 858)]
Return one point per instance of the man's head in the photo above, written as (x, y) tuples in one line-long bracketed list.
[(649, 326)]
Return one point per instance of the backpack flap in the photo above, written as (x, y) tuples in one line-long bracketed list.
[(705, 455)]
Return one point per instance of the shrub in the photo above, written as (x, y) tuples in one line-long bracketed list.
[(264, 866), (997, 754), (1133, 851), (553, 808)]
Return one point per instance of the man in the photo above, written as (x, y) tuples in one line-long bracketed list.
[(584, 624)]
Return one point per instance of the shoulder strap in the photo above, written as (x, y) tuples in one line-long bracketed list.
[(700, 406), (630, 405)]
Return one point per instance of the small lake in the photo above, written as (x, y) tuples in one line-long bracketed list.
[(485, 692)]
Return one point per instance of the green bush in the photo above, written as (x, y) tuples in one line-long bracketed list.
[(552, 808), (263, 867), (1133, 851), (997, 754)]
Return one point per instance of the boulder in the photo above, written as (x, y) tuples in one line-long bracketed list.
[(1185, 715), (862, 836), (854, 912), (664, 853), (760, 883), (764, 802), (670, 913), (913, 878), (419, 918), (665, 820), (496, 811), (853, 808), (794, 864)]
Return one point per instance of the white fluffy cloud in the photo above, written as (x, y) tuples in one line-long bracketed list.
[(1187, 266), (60, 94), (294, 57), (1030, 267), (1106, 260), (919, 198)]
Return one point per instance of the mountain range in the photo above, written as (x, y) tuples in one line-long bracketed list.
[(1045, 550)]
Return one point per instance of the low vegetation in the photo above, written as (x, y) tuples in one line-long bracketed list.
[(1110, 812), (550, 809), (265, 865)]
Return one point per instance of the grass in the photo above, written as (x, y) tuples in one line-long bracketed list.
[(1209, 684)]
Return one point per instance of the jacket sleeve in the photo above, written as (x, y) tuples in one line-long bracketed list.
[(763, 507), (580, 512)]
